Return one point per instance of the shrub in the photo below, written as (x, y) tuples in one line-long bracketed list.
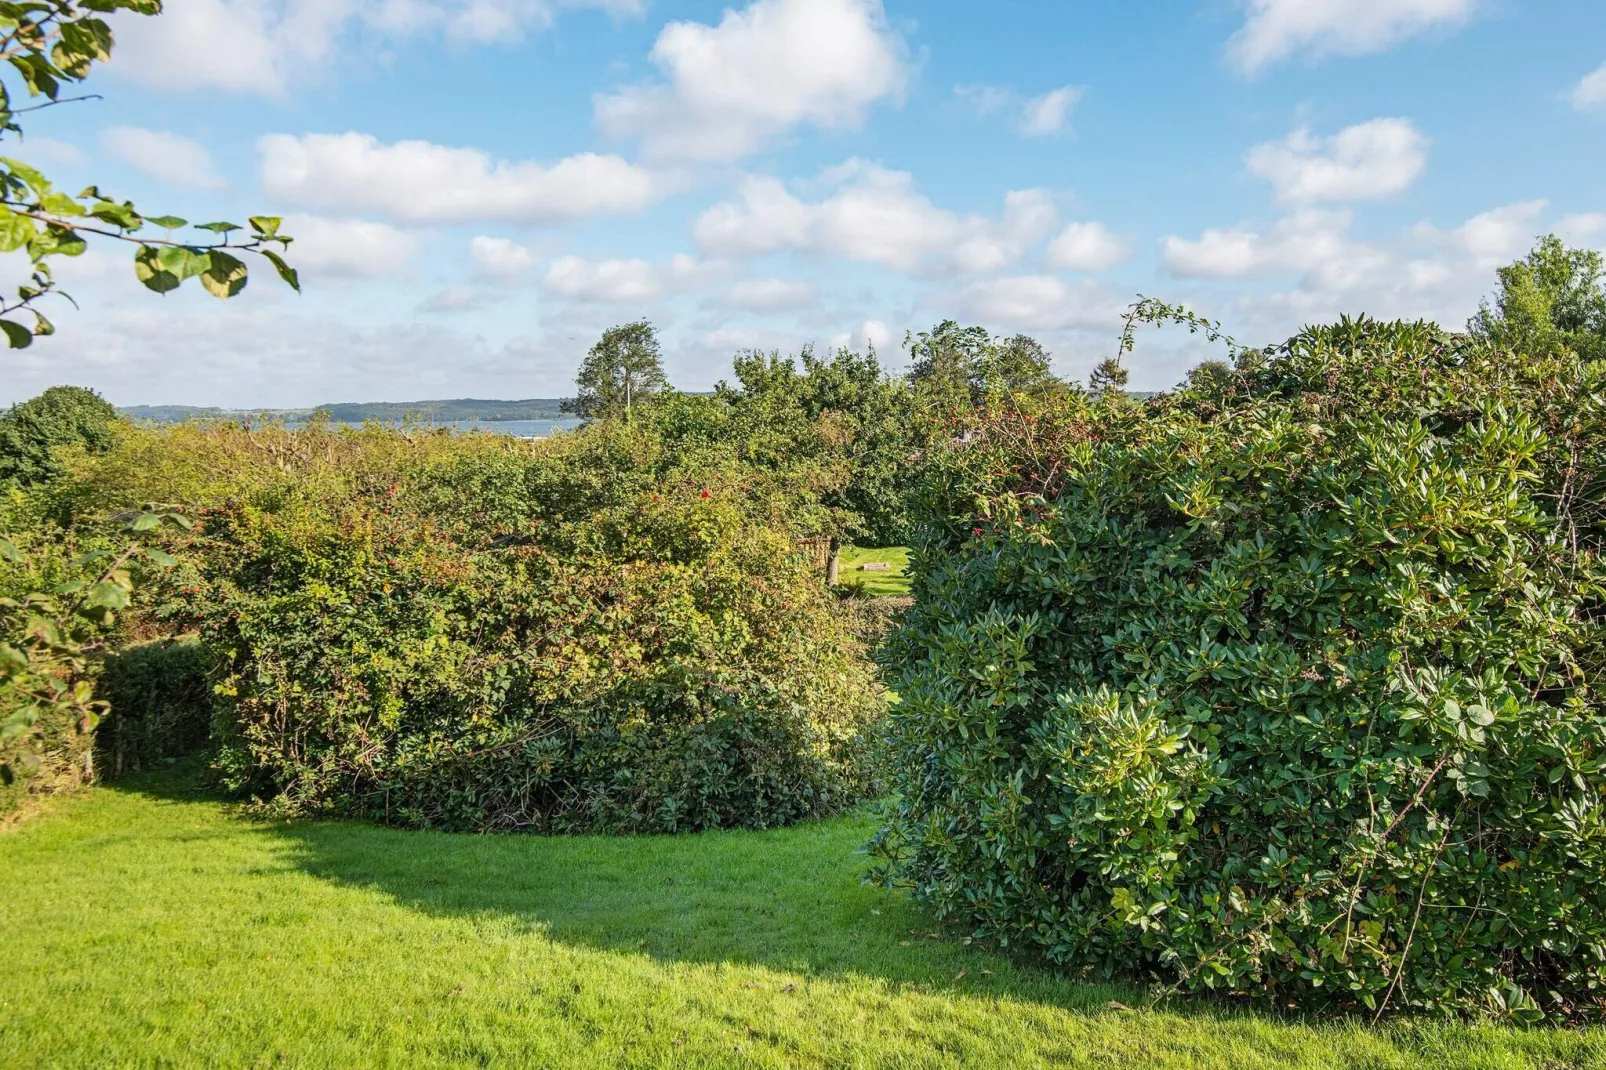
[(1281, 686), (158, 697), (33, 433), (660, 665)]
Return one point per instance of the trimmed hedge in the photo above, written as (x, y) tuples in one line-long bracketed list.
[(1282, 686)]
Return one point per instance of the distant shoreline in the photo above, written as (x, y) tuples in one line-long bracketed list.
[(454, 412)]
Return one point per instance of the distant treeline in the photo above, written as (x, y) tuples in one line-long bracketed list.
[(361, 412)]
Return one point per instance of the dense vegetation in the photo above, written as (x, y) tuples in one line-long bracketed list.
[(1280, 685), (1283, 684)]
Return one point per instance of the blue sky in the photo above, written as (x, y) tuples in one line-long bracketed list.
[(479, 187)]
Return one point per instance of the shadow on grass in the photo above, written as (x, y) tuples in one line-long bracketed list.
[(792, 900)]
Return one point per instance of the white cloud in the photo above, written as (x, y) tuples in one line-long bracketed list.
[(1049, 113), (1040, 303), (265, 46), (1311, 241), (348, 248), (499, 258), (1037, 116), (1361, 162), (457, 298), (169, 158), (776, 64), (48, 150), (1086, 247), (623, 281), (875, 216), (421, 182), (1583, 229), (871, 334), (1494, 237), (1590, 92), (770, 294), (1277, 29)]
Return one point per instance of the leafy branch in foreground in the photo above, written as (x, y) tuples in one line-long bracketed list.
[(47, 641), (53, 43)]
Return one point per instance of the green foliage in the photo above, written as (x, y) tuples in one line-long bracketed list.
[(158, 703), (50, 646), (478, 633), (624, 369), (840, 413), (32, 432), (50, 44), (1553, 299), (958, 367), (1280, 687)]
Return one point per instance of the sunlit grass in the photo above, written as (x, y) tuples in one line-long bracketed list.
[(143, 927), (890, 584)]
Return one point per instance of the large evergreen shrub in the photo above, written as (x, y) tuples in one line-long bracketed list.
[(1282, 686)]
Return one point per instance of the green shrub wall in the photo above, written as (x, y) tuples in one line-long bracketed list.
[(1284, 687)]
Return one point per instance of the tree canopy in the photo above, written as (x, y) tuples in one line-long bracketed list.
[(1551, 300), (32, 432), (624, 369)]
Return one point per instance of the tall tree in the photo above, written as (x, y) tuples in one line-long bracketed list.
[(624, 369), (1552, 299)]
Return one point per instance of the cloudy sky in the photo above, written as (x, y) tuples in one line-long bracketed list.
[(480, 186)]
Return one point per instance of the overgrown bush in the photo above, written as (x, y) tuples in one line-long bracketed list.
[(158, 698), (1283, 686), (424, 647)]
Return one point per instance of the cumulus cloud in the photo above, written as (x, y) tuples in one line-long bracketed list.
[(622, 281), (1277, 29), (1049, 113), (500, 259), (348, 248), (49, 150), (875, 216), (1424, 272), (263, 46), (1086, 247), (1366, 161), (1040, 303), (1585, 228), (1306, 241), (770, 294), (1494, 237), (169, 158), (422, 182), (1037, 116), (730, 89), (1590, 92)]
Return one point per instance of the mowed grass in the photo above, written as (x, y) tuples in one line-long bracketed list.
[(893, 583), (145, 928)]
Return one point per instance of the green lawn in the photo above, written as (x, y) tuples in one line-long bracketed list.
[(146, 928), (892, 584)]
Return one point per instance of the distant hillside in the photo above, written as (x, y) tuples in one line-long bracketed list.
[(441, 412)]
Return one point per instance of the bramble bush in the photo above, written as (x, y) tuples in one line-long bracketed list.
[(476, 633), (1281, 686)]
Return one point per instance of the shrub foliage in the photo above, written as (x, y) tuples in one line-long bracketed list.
[(472, 633), (1282, 685)]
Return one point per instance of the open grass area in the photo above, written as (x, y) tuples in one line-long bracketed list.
[(146, 927), (893, 583)]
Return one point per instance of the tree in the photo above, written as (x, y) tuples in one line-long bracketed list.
[(1552, 299), (622, 370), (966, 365), (51, 44), (31, 433)]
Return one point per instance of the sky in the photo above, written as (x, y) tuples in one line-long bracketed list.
[(479, 187)]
